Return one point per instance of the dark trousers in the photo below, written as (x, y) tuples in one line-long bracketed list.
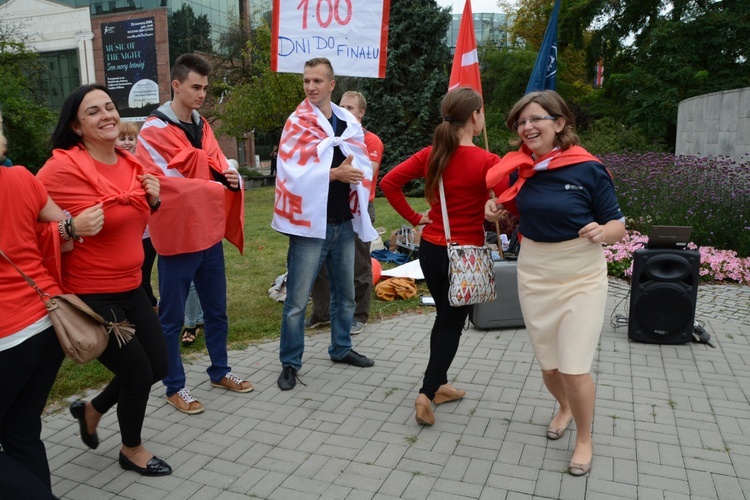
[(149, 256), (449, 323), (206, 269), (137, 365), (27, 372)]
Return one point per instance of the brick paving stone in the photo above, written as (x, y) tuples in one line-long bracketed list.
[(419, 487), (671, 422)]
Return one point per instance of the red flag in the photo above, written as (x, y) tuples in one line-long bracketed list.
[(465, 71)]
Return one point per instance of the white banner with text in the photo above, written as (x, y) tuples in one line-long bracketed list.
[(352, 34)]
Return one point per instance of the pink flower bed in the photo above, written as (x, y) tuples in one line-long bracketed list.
[(716, 265)]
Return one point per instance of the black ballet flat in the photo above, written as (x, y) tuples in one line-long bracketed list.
[(154, 467), (78, 410)]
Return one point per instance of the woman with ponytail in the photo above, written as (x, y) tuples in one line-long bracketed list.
[(463, 168)]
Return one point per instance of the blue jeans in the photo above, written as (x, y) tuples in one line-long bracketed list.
[(321, 292), (206, 269), (304, 260), (193, 310)]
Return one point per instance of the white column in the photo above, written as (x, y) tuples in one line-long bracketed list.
[(86, 56)]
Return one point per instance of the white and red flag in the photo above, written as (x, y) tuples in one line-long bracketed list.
[(465, 71), (304, 164)]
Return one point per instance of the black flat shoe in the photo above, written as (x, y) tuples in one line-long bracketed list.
[(154, 467), (78, 410)]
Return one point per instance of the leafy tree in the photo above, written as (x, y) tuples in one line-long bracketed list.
[(505, 73), (530, 21), (27, 122), (530, 18), (660, 52), (256, 97), (234, 64), (404, 108), (188, 33)]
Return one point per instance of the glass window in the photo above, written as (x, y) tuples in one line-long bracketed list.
[(217, 11), (63, 76)]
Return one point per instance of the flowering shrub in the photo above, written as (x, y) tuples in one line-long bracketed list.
[(716, 265), (711, 195)]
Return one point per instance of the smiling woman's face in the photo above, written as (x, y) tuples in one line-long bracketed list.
[(540, 136), (97, 118)]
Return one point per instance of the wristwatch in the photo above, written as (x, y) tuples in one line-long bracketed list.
[(154, 208)]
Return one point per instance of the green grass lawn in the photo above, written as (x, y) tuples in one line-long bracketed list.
[(253, 316)]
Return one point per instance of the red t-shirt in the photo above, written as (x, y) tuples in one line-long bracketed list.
[(465, 193), (375, 152), (22, 197), (111, 261)]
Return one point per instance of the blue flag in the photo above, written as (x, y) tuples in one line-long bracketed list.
[(544, 76)]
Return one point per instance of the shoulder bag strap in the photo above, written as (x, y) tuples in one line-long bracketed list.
[(30, 281), (446, 224)]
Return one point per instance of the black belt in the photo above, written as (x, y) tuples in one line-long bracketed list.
[(340, 219)]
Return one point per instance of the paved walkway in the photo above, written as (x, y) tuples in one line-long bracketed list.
[(672, 422)]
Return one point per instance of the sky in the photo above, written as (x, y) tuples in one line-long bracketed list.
[(476, 5)]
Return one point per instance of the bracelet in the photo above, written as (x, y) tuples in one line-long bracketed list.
[(61, 229), (71, 230)]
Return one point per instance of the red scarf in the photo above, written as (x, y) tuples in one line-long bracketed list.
[(196, 212), (525, 164), (72, 180)]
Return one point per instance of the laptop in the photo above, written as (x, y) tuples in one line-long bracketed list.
[(669, 236)]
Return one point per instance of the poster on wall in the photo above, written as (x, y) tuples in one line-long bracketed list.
[(352, 34), (130, 74)]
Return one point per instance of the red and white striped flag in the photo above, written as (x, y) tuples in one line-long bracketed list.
[(599, 80), (465, 71)]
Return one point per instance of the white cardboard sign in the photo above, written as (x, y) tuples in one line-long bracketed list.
[(352, 34)]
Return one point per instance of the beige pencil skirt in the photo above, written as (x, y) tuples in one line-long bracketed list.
[(562, 288)]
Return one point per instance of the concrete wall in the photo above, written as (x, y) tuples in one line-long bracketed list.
[(715, 124)]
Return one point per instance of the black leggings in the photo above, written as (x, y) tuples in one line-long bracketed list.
[(27, 372), (137, 365), (449, 323), (149, 256)]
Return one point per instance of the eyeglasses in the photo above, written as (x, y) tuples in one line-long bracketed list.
[(533, 120)]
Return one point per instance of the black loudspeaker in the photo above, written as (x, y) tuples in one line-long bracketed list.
[(663, 295)]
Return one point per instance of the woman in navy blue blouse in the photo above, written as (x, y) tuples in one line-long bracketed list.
[(566, 202)]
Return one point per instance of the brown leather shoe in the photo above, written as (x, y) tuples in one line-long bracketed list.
[(183, 401), (234, 383), (424, 410), (447, 393)]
